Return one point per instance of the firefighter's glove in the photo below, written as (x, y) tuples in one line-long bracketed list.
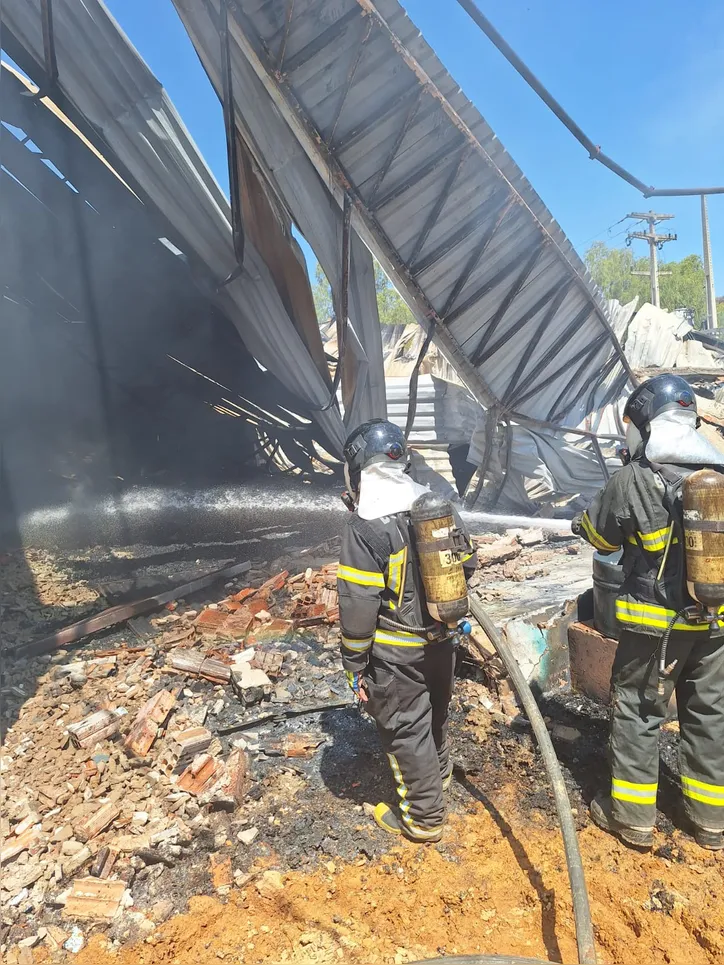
[(354, 679)]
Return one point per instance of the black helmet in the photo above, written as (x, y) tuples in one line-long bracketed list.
[(376, 440), (657, 395)]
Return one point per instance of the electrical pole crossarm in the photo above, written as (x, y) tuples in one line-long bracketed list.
[(655, 241)]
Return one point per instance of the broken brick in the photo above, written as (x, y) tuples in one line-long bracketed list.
[(243, 595), (93, 898), (148, 722), (270, 663), (182, 747), (275, 584), (97, 822), (200, 774), (99, 726), (236, 625), (210, 620)]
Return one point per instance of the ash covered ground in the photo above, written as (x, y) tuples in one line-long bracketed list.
[(302, 815)]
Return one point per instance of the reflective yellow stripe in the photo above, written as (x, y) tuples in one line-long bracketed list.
[(398, 639), (717, 802), (715, 788), (361, 577), (634, 787), (633, 793), (414, 829), (358, 645), (656, 540), (400, 782), (652, 549), (397, 567), (595, 538), (652, 615), (714, 792), (417, 832)]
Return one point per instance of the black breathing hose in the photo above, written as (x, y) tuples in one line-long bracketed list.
[(581, 907)]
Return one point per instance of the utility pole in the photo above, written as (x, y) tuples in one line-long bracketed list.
[(656, 242), (708, 269)]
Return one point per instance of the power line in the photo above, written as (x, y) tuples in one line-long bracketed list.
[(656, 242)]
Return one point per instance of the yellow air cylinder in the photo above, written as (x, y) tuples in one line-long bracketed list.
[(703, 500), (439, 549)]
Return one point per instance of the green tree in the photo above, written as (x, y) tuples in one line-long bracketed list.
[(322, 294), (682, 289), (392, 309)]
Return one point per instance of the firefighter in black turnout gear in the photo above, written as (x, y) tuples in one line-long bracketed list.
[(399, 662), (640, 509)]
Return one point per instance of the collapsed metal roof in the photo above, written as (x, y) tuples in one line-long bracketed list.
[(438, 200)]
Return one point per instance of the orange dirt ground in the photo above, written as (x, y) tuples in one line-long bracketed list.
[(501, 887)]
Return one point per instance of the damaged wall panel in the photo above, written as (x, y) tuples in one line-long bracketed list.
[(93, 305), (105, 79), (311, 203)]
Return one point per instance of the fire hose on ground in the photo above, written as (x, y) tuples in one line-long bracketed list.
[(581, 907)]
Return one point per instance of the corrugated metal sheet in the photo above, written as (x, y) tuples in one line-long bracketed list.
[(438, 200)]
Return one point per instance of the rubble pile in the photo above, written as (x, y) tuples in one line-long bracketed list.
[(126, 763), (119, 762)]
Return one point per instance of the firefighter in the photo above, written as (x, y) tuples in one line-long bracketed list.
[(640, 510), (399, 663)]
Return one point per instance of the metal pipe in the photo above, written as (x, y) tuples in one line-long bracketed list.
[(232, 154), (342, 299), (581, 907), (594, 150)]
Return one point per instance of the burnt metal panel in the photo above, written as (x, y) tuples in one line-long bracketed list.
[(451, 217)]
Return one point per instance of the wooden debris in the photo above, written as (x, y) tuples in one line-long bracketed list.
[(119, 614), (198, 665), (97, 822), (92, 899), (99, 726), (97, 667), (148, 722), (200, 774), (303, 746)]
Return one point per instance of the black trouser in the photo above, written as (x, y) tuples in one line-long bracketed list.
[(409, 703), (638, 711)]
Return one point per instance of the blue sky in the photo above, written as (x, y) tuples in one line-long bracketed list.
[(659, 115)]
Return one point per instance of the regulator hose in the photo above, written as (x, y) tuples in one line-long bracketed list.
[(663, 669), (581, 907), (389, 624)]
